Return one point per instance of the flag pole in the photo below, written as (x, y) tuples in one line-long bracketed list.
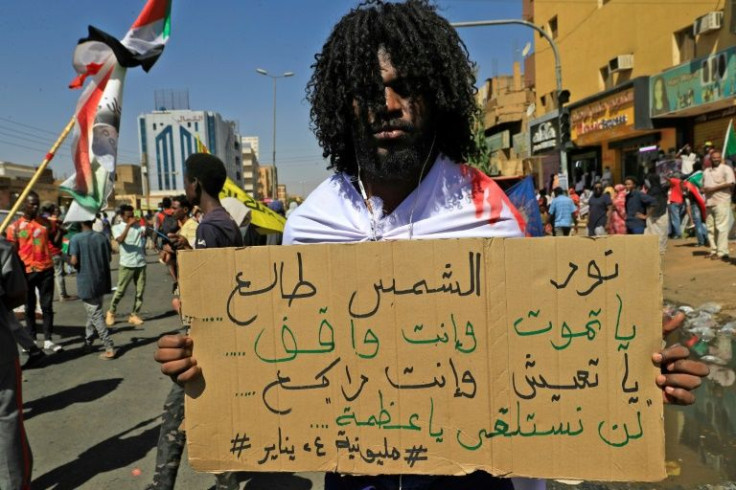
[(37, 175)]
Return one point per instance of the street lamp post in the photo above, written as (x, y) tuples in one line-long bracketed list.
[(273, 156), (562, 95)]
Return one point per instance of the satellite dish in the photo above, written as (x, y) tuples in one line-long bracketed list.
[(526, 50), (530, 110)]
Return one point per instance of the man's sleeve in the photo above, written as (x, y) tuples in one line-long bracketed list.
[(13, 278), (730, 179), (74, 246), (10, 235)]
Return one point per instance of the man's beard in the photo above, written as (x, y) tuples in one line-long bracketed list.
[(401, 161)]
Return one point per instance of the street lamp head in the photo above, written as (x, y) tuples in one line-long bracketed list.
[(289, 74), (262, 71)]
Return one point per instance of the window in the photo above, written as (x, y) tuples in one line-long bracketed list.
[(605, 80), (552, 27), (543, 100), (684, 45)]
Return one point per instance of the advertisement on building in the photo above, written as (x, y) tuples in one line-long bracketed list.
[(544, 136), (605, 119), (694, 87)]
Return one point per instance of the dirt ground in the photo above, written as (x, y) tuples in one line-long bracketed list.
[(690, 278)]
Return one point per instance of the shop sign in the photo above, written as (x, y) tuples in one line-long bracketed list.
[(609, 117), (544, 136), (499, 141), (696, 83)]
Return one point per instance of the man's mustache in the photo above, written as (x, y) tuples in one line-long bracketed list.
[(391, 126)]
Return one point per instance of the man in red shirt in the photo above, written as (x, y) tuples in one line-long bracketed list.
[(676, 206), (31, 239)]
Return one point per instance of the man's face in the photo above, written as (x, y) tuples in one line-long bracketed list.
[(715, 158), (31, 207), (597, 190), (180, 212), (127, 216), (393, 143), (629, 184)]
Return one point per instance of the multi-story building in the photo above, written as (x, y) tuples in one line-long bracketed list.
[(267, 174), (167, 138), (14, 178), (128, 179), (505, 100), (249, 145), (627, 102)]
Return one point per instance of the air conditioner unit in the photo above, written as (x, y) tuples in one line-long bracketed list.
[(621, 62), (711, 21)]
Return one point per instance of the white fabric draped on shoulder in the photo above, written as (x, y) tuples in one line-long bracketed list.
[(453, 201)]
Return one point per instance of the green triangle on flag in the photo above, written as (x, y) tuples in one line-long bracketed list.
[(729, 144)]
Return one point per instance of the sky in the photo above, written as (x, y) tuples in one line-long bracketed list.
[(214, 50)]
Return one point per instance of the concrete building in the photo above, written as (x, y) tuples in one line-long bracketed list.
[(642, 77), (281, 194), (128, 179), (15, 177), (266, 176), (249, 145), (167, 138), (505, 100)]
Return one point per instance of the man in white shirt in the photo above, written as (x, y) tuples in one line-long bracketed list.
[(718, 183)]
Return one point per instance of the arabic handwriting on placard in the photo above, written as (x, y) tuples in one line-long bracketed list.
[(325, 336), (417, 386), (284, 383), (432, 433), (467, 379), (623, 339), (628, 389), (382, 420), (594, 272), (444, 338), (501, 429), (531, 314), (273, 451), (302, 289), (369, 338), (581, 380), (624, 440), (421, 287), (589, 332), (319, 447), (369, 456), (363, 381)]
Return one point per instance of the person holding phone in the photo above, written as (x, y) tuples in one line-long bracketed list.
[(132, 239)]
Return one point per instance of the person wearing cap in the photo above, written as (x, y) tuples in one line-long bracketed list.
[(707, 149)]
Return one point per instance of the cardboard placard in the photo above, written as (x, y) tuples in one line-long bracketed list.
[(528, 357)]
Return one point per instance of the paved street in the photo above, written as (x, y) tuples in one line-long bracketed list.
[(92, 423)]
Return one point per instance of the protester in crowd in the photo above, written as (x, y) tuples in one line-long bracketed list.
[(292, 207), (205, 176), (707, 149), (718, 184), (50, 212), (31, 238), (607, 175), (131, 237), (657, 216), (618, 216), (90, 253), (687, 158), (636, 207), (164, 212), (601, 207), (583, 204), (16, 460), (676, 206), (695, 205), (562, 213), (397, 171), (181, 211)]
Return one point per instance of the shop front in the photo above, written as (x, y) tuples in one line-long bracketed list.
[(700, 92), (543, 149), (613, 133)]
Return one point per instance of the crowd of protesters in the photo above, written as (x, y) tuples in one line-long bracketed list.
[(682, 194)]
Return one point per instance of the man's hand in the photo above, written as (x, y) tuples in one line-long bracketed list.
[(174, 352), (178, 242), (680, 376)]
